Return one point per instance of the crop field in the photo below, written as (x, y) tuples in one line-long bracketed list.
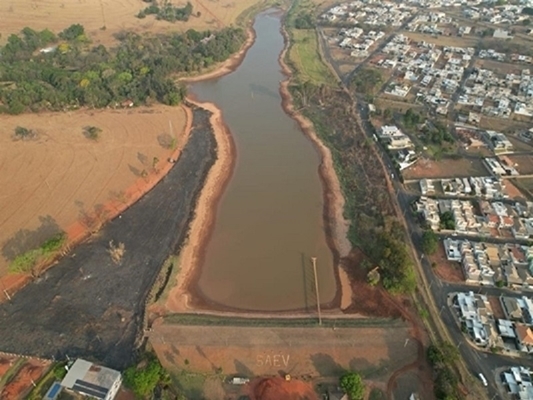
[(375, 351), (60, 180), (103, 18), (17, 375)]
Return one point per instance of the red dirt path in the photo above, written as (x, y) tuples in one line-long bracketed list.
[(22, 382), (367, 300), (278, 388), (5, 364)]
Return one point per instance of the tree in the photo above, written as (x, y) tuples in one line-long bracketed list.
[(144, 380), (353, 386), (72, 32), (430, 242), (447, 221)]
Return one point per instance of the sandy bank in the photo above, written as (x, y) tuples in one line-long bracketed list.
[(335, 224), (205, 212)]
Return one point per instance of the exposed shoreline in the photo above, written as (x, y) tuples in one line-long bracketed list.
[(184, 296), (336, 226), (200, 228), (227, 66)]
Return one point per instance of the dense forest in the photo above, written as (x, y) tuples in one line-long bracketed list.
[(71, 73)]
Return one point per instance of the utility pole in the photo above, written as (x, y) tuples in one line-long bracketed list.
[(316, 290)]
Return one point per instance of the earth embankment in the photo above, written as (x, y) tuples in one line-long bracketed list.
[(90, 306)]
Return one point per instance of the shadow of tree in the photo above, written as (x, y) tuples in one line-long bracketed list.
[(25, 239), (325, 365), (165, 140), (242, 369)]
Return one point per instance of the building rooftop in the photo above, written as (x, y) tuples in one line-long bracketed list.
[(90, 379)]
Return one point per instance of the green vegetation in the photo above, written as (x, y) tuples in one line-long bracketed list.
[(376, 394), (447, 221), (139, 70), (167, 11), (92, 132), (304, 20), (304, 53), (209, 320), (374, 226), (144, 378), (367, 81), (353, 386), (527, 10), (442, 357), (56, 373), (24, 133), (11, 372), (26, 262), (436, 134), (411, 118), (397, 274), (430, 242)]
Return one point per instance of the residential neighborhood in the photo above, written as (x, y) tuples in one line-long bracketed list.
[(449, 90)]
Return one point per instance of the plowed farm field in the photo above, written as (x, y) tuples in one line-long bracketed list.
[(62, 181), (22, 382), (114, 15)]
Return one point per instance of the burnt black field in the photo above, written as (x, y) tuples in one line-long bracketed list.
[(88, 306)]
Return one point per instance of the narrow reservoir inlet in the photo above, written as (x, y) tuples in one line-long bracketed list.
[(269, 221)]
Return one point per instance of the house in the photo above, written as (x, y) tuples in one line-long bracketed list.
[(476, 316), (92, 380), (518, 381), (426, 186), (524, 338)]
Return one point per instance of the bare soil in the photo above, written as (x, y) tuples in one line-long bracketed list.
[(524, 163), (445, 168), (367, 300), (496, 306), (114, 15), (90, 306), (276, 388), (376, 350), (23, 381), (64, 181), (5, 364), (446, 270)]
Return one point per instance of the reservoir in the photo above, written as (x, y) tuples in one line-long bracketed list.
[(269, 221)]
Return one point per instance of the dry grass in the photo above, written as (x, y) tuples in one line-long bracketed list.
[(454, 41), (62, 177), (310, 351), (445, 168), (114, 15)]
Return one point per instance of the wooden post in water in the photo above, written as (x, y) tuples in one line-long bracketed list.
[(316, 290)]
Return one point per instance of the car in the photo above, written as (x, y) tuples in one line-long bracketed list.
[(483, 379)]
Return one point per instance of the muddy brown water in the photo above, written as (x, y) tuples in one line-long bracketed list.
[(270, 218)]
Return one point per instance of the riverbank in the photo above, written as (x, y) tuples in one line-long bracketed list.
[(182, 295), (336, 226), (200, 228), (227, 66)]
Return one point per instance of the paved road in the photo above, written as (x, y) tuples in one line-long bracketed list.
[(477, 361)]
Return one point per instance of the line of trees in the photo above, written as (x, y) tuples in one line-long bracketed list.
[(72, 73), (167, 11)]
